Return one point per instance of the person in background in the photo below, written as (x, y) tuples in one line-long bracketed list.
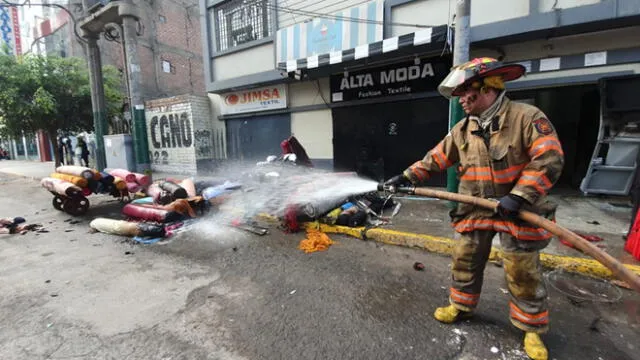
[(61, 151), (82, 152)]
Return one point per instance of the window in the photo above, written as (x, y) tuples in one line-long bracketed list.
[(239, 22)]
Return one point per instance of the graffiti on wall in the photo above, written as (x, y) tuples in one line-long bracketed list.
[(203, 144), (170, 138)]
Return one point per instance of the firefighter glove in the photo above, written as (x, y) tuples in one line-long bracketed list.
[(398, 181), (509, 206)]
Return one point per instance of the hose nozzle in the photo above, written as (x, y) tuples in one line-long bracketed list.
[(396, 189)]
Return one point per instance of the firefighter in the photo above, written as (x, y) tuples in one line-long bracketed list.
[(507, 151)]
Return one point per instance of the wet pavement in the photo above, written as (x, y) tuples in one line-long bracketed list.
[(218, 293)]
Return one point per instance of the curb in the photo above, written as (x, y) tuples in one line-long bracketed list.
[(445, 246)]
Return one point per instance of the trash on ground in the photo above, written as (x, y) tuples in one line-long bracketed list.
[(494, 350), (418, 266)]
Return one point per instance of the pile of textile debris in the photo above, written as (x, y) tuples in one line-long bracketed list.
[(70, 186)]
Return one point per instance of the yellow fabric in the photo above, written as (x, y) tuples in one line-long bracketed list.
[(449, 314), (534, 347)]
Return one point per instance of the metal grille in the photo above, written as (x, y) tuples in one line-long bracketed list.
[(241, 21)]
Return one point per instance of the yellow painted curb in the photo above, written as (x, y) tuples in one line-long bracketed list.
[(445, 246)]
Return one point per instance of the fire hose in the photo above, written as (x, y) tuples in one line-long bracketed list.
[(616, 267)]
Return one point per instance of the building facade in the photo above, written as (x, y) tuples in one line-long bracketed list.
[(360, 78), (169, 46)]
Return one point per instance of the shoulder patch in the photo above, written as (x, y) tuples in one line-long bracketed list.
[(543, 126)]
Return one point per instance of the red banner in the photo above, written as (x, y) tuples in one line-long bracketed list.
[(16, 31)]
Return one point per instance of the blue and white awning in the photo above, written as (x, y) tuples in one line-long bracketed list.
[(430, 38)]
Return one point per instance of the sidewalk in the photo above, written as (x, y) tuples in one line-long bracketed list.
[(424, 222)]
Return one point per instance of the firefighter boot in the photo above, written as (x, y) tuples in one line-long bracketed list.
[(534, 347), (450, 314)]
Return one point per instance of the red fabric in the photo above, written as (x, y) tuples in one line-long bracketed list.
[(291, 219), (633, 239)]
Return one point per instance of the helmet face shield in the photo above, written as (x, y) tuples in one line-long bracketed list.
[(455, 78), (478, 68)]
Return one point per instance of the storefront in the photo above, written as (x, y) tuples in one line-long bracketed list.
[(257, 121), (385, 118)]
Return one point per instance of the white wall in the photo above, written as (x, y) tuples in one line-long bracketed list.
[(306, 93), (314, 129), (577, 72), (246, 62), (488, 11), (548, 5), (421, 12), (219, 127), (287, 17), (576, 44)]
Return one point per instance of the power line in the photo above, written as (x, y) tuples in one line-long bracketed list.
[(340, 17)]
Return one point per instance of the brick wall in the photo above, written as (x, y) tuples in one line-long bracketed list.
[(180, 133), (171, 32), (170, 135)]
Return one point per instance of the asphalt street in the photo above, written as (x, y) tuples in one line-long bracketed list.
[(216, 293)]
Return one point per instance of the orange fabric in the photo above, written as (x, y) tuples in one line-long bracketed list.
[(520, 232), (419, 172), (315, 241), (485, 173), (440, 157), (537, 179), (531, 319), (464, 298), (544, 144)]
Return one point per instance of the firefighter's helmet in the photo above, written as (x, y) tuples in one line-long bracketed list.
[(466, 74)]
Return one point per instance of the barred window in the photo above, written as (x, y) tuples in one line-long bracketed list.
[(239, 22)]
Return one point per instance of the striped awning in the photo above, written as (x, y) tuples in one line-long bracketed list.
[(428, 39)]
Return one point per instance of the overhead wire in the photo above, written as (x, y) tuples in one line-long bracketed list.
[(342, 18)]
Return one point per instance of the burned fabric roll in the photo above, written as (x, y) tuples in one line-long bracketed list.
[(151, 230), (60, 187), (177, 191), (106, 178), (150, 214), (119, 183), (159, 195), (189, 187), (133, 187), (143, 180), (81, 171), (115, 227), (123, 174), (97, 175), (75, 180)]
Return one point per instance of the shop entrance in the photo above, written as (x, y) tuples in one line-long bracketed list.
[(575, 113), (381, 140), (255, 138)]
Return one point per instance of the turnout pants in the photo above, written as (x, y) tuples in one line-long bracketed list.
[(528, 303)]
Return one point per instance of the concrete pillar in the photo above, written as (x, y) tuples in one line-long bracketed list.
[(140, 142), (97, 98)]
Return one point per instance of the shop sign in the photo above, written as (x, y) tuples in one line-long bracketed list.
[(397, 79), (260, 99)]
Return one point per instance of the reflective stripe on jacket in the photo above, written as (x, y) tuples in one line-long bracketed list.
[(519, 153)]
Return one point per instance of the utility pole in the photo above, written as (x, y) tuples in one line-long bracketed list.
[(460, 55), (140, 142), (97, 98)]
